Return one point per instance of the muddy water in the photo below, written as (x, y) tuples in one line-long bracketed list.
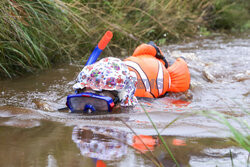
[(34, 133)]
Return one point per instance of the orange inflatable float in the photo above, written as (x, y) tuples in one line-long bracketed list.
[(154, 76)]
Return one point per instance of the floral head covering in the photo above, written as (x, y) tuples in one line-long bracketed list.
[(109, 74)]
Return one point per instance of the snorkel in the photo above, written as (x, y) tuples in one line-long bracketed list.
[(94, 99), (99, 48)]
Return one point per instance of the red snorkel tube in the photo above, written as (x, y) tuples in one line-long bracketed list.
[(100, 47)]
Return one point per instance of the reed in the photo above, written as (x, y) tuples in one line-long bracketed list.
[(239, 128), (239, 136), (231, 15), (36, 34), (161, 138)]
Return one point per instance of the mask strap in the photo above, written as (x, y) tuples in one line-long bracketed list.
[(116, 100), (158, 53)]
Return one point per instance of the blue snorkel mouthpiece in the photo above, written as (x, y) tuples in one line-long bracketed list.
[(89, 108)]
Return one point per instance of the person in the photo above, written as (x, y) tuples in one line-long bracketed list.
[(144, 74), (155, 76), (108, 77)]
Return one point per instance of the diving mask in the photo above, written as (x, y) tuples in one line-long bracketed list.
[(89, 102)]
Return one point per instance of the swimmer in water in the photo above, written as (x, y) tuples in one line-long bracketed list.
[(110, 81)]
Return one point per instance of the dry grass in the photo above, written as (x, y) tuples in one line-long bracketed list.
[(36, 34)]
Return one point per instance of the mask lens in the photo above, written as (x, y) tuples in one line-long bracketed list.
[(78, 103)]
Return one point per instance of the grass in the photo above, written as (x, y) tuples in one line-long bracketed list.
[(161, 138), (231, 15), (152, 157), (36, 34), (240, 136)]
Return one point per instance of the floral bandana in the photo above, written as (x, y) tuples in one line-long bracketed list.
[(109, 74)]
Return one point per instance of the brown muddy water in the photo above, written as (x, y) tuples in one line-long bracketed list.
[(34, 133)]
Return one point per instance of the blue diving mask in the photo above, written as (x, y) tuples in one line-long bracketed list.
[(89, 102)]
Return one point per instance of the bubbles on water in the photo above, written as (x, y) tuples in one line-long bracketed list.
[(208, 76), (21, 123), (242, 76)]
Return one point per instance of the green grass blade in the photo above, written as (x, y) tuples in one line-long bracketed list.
[(161, 138), (154, 157)]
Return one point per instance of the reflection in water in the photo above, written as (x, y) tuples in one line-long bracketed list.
[(52, 161), (168, 103), (100, 143), (50, 144), (197, 152), (109, 144)]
